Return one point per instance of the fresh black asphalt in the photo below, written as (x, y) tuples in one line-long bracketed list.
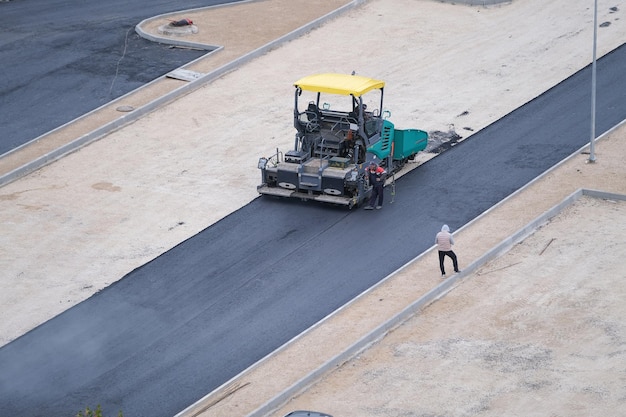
[(64, 58), (180, 326)]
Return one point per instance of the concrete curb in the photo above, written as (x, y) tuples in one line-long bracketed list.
[(107, 128)]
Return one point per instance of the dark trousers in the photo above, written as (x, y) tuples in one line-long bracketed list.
[(377, 192), (452, 255)]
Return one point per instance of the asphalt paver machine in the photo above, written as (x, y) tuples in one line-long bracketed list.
[(341, 126)]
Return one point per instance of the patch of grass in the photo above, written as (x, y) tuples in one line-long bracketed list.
[(94, 413)]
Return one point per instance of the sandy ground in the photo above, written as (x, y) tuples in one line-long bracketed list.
[(540, 335), (530, 334)]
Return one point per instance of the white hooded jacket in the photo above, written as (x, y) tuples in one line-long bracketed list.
[(444, 239)]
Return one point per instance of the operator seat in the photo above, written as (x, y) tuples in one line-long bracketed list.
[(313, 112), (314, 118)]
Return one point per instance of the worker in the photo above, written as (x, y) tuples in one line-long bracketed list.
[(376, 176), (444, 242), (347, 145)]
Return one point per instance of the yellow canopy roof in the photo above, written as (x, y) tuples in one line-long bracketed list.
[(344, 84)]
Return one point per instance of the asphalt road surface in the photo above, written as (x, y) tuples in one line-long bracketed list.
[(180, 326), (63, 58)]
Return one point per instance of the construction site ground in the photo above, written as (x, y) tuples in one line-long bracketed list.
[(534, 325)]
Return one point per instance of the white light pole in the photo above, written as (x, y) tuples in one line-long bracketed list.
[(592, 155)]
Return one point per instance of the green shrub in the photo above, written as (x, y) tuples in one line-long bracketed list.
[(94, 413)]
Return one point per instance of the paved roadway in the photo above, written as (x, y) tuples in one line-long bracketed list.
[(64, 58), (180, 326)]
